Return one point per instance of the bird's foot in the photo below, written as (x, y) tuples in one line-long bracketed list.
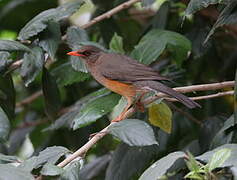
[(140, 106)]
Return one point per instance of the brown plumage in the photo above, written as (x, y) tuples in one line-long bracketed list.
[(126, 76)]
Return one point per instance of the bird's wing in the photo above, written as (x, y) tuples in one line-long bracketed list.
[(124, 69)]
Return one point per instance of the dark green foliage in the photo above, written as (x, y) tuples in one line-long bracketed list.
[(49, 108)]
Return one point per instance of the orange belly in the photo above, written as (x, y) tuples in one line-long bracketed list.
[(123, 89)]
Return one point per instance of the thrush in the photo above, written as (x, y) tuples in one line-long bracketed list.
[(126, 76)]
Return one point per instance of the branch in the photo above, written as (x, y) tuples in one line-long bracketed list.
[(219, 94), (111, 12), (83, 150), (194, 88), (29, 99)]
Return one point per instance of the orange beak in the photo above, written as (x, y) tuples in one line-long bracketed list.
[(75, 53)]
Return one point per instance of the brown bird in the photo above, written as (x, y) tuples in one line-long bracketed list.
[(126, 76)]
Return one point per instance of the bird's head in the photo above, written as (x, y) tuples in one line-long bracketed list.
[(88, 53)]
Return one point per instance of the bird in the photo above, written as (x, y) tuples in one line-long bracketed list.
[(126, 76)]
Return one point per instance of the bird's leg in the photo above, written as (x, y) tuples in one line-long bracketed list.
[(139, 104), (121, 116)]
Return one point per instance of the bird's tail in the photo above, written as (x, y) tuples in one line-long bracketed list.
[(159, 87)]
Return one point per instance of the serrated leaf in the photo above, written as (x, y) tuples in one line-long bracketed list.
[(160, 115), (51, 38), (94, 110), (4, 126), (133, 132), (230, 161), (10, 172), (71, 171), (51, 94), (154, 43), (7, 159), (9, 45), (116, 44), (66, 75), (66, 119), (160, 167), (40, 22), (49, 155), (32, 65), (7, 102), (51, 170), (196, 5), (219, 158), (227, 16), (129, 157)]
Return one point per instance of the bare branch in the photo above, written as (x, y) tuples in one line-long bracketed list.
[(194, 88), (29, 99), (111, 12), (219, 94)]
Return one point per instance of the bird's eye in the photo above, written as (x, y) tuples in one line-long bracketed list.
[(86, 53)]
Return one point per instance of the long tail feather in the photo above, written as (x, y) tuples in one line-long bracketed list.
[(159, 87)]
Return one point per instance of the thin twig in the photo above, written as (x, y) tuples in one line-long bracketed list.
[(186, 114), (219, 94), (111, 12), (194, 88), (29, 99)]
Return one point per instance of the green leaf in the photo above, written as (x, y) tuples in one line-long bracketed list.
[(160, 167), (51, 170), (160, 115), (51, 94), (154, 43), (40, 22), (118, 109), (8, 159), (219, 158), (227, 17), (196, 5), (4, 126), (32, 65), (133, 132), (71, 171), (131, 158), (116, 44), (7, 102), (94, 110), (75, 36), (89, 171), (4, 61), (8, 45), (51, 38), (224, 136), (231, 160), (66, 75), (10, 172), (66, 119), (49, 155)]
